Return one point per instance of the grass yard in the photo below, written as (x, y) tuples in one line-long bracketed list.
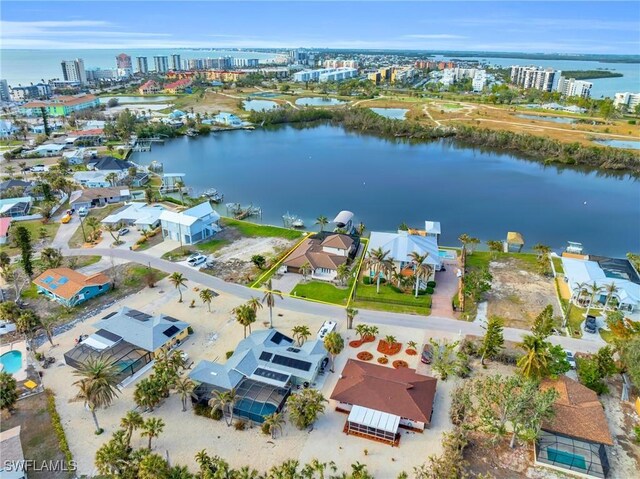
[(33, 227), (254, 230), (77, 240), (481, 259), (322, 291), (576, 317), (82, 261), (211, 246), (557, 264), (391, 300), (135, 275)]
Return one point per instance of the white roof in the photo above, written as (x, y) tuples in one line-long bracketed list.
[(343, 217), (91, 175), (190, 216), (139, 213), (375, 419), (50, 147), (7, 203), (401, 244), (432, 227)]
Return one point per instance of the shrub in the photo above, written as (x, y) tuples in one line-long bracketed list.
[(57, 426), (383, 360), (228, 354), (429, 290), (431, 284), (215, 414), (632, 122), (240, 425), (265, 428), (590, 376)]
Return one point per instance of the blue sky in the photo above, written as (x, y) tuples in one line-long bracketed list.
[(567, 27)]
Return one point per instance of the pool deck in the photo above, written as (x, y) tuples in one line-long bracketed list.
[(21, 374)]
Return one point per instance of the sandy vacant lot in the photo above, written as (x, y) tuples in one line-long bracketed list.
[(518, 295)]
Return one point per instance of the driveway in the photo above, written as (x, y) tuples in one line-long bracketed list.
[(446, 287), (286, 282)]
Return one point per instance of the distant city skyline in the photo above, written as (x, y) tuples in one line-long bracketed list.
[(544, 27)]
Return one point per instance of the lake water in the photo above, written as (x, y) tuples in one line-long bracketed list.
[(318, 101), (554, 119), (312, 171), (634, 145), (393, 113), (137, 99), (259, 105)]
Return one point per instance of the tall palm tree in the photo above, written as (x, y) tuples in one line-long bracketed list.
[(224, 401), (112, 178), (151, 428), (421, 270), (322, 221), (255, 304), (464, 240), (98, 386), (274, 422), (301, 333), (178, 281), (130, 422), (269, 299), (593, 290), (184, 387), (342, 273), (206, 295), (245, 315), (391, 340), (535, 362), (473, 242), (610, 289), (379, 262), (334, 344), (306, 270), (351, 314)]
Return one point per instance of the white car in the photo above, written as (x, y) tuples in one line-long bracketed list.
[(196, 259), (570, 358), (326, 328), (6, 327)]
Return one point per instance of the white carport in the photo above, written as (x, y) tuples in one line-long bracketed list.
[(375, 424)]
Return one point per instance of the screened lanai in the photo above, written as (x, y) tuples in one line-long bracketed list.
[(572, 454)]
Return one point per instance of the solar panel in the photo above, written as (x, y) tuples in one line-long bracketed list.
[(110, 315), (139, 315), (170, 331), (63, 280), (53, 286), (291, 363), (47, 280), (265, 373), (277, 337), (265, 356), (108, 335), (293, 350), (170, 319)]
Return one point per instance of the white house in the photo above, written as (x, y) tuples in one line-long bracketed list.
[(91, 179), (49, 149), (7, 128), (140, 215), (324, 252), (190, 226)]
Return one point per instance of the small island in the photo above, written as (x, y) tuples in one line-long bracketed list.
[(590, 74)]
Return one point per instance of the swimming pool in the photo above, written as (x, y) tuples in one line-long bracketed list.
[(447, 254), (11, 361)]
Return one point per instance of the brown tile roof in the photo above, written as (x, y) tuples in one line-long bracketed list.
[(74, 281), (91, 194), (338, 241), (395, 391), (578, 412), (310, 251)]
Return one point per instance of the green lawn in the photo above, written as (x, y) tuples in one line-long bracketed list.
[(576, 317), (30, 293), (255, 230), (322, 291), (136, 274), (389, 299), (77, 240), (481, 259), (33, 227), (211, 246), (82, 261), (557, 264)]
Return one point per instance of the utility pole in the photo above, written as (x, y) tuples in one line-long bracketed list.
[(84, 236)]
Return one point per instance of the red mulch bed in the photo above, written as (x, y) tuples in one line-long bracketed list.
[(369, 338), (411, 352), (365, 356), (356, 343), (383, 360), (400, 363), (389, 349)]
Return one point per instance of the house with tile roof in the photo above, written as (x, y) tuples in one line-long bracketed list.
[(149, 87), (177, 86), (324, 252), (576, 438), (192, 225), (92, 197), (13, 463), (60, 105), (140, 215), (379, 400), (109, 164), (69, 287), (5, 224)]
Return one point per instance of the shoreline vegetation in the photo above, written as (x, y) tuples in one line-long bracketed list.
[(541, 149), (590, 74)]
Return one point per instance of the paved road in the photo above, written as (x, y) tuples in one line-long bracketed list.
[(434, 323)]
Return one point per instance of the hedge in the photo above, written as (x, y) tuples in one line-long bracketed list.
[(57, 426)]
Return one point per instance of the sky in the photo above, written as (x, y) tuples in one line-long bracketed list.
[(527, 26)]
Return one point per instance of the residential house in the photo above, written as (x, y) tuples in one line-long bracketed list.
[(380, 400), (90, 137), (109, 164), (190, 226), (60, 105), (13, 462), (69, 287), (228, 119), (140, 215), (149, 88), (177, 86), (91, 179), (130, 339), (5, 224), (7, 128), (49, 149), (262, 369), (576, 437), (13, 187), (324, 252), (98, 197), (14, 207)]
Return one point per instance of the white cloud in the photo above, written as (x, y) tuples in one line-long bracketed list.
[(434, 36)]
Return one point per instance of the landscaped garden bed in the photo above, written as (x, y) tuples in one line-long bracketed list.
[(356, 343), (411, 352), (383, 360), (364, 356), (389, 348), (400, 363)]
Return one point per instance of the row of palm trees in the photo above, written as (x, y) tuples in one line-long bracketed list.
[(593, 290), (382, 265)]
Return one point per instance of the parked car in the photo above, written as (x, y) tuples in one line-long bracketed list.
[(570, 358), (6, 327), (65, 219), (38, 169), (83, 212), (209, 263), (123, 231), (427, 354), (590, 325), (196, 259)]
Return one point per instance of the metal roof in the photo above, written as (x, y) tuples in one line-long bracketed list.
[(374, 419)]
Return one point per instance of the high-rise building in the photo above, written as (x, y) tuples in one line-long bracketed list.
[(245, 62), (161, 63), (143, 64), (176, 65), (626, 99), (73, 71), (4, 91), (479, 80), (341, 63), (123, 66), (573, 87), (535, 77)]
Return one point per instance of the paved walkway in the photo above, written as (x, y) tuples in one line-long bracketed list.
[(446, 287)]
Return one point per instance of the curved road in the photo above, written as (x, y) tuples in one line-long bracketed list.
[(299, 305)]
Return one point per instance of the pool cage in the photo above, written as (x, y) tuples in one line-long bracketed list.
[(128, 358), (254, 399), (572, 454)]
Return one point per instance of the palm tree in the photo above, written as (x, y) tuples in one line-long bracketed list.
[(130, 422), (593, 290), (322, 221), (420, 268), (52, 257), (206, 295), (342, 273), (270, 299), (473, 242), (151, 428), (98, 386), (224, 401), (184, 387), (535, 362), (255, 304), (306, 270), (412, 345), (464, 239), (351, 314), (245, 315), (360, 229), (112, 178), (179, 184), (610, 289), (46, 324), (380, 264), (390, 340), (301, 333), (274, 422), (334, 344), (178, 280)]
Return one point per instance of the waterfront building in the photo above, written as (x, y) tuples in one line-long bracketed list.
[(140, 215), (69, 287), (60, 105), (626, 99), (177, 86), (532, 77), (443, 65), (123, 66), (22, 93), (143, 65), (192, 225), (98, 197), (573, 87), (324, 252), (426, 65), (73, 71), (245, 62), (91, 179), (149, 88), (325, 74), (195, 64), (341, 64), (161, 63), (176, 64), (4, 91), (98, 74)]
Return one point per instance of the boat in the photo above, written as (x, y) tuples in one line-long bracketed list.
[(213, 195), (298, 223), (192, 133), (292, 221)]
